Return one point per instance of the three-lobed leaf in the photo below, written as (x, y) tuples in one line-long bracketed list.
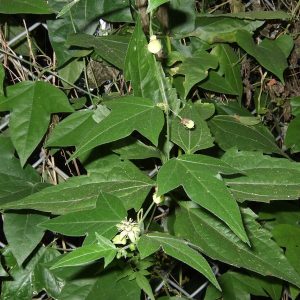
[(195, 68), (227, 79), (31, 105), (197, 138), (200, 177), (128, 114)]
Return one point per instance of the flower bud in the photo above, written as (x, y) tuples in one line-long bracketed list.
[(157, 199), (154, 45), (187, 123)]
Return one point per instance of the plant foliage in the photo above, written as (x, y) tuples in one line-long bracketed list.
[(147, 148)]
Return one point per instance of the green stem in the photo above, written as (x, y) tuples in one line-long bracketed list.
[(147, 211)]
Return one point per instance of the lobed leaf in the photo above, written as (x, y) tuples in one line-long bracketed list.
[(128, 114), (199, 176), (215, 240), (31, 105), (194, 139)]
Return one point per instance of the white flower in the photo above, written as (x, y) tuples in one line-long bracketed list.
[(118, 240), (187, 123), (129, 230), (154, 45)]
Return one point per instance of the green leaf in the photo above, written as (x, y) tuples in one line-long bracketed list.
[(104, 248), (111, 48), (23, 284), (2, 76), (181, 10), (106, 285), (153, 4), (177, 248), (66, 8), (213, 238), (266, 178), (230, 132), (229, 68), (31, 105), (131, 148), (128, 114), (292, 138), (144, 284), (22, 233), (71, 72), (3, 273), (288, 236), (257, 15), (43, 278), (194, 139), (239, 286), (15, 182), (82, 18), (24, 7), (146, 74), (71, 130), (200, 177), (220, 29), (109, 211), (280, 212), (295, 104), (266, 53), (120, 178), (195, 68)]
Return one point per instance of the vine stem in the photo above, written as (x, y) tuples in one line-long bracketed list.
[(147, 211)]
